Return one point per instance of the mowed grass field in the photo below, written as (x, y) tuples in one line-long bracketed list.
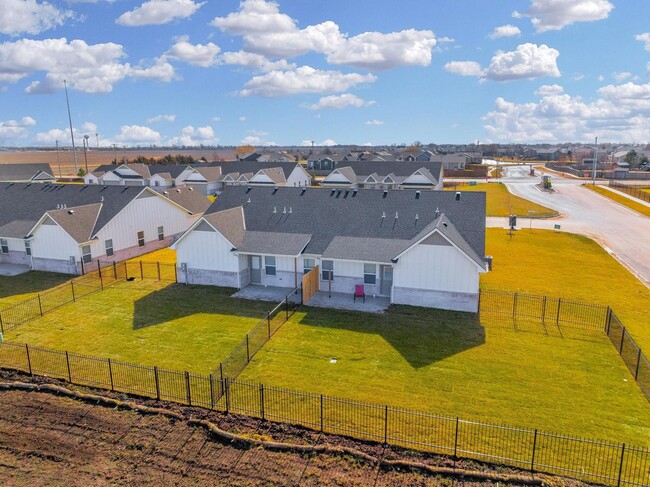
[(501, 202), (455, 365), (629, 203), (14, 289), (173, 326), (569, 266)]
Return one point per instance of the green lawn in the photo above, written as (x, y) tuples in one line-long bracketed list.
[(501, 202), (14, 289), (631, 204), (452, 364), (568, 266), (172, 326)]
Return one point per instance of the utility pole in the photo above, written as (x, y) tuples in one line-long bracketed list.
[(58, 161), (74, 150), (85, 140), (97, 137)]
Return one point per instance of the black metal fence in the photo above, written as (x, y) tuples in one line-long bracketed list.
[(107, 274), (254, 340), (631, 190), (530, 449), (630, 352)]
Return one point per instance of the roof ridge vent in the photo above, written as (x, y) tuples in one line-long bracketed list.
[(71, 212), (396, 215), (383, 214), (457, 195), (417, 217), (290, 210), (284, 211)]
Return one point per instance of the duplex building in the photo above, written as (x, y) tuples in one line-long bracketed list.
[(386, 175), (27, 173), (423, 248), (66, 228)]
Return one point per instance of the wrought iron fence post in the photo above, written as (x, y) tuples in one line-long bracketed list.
[(638, 362), (74, 299), (29, 360), (221, 370), (158, 263), (67, 361), (456, 443), (262, 411), (514, 307), (141, 272), (620, 348), (211, 392), (2, 328), (40, 306), (321, 413), (110, 374), (608, 320), (248, 355), (227, 392), (532, 461), (114, 271), (559, 305), (543, 310), (155, 376), (268, 323), (187, 388), (386, 425), (99, 270), (620, 468)]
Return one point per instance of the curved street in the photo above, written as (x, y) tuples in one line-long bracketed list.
[(622, 232)]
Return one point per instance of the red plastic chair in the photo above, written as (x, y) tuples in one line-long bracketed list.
[(359, 292)]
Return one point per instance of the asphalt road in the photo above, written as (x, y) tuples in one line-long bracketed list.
[(623, 233)]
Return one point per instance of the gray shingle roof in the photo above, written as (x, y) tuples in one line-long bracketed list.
[(193, 201), (244, 167), (79, 221), (23, 204), (230, 223), (365, 213), (23, 172), (365, 249), (274, 243)]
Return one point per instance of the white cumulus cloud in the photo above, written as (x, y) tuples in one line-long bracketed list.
[(12, 130), (157, 12), (548, 15), (507, 30), (191, 135), (549, 90), (375, 122), (204, 55), (645, 38), (30, 17), (303, 80), (527, 61), (137, 135), (91, 68), (340, 101), (256, 61)]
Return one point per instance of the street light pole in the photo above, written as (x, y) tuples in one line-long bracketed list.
[(85, 140), (97, 137), (74, 150), (593, 177)]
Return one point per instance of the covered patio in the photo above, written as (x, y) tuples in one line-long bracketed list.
[(345, 301), (268, 293)]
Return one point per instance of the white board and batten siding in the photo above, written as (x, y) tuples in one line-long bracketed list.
[(205, 248), (145, 213), (50, 241), (299, 178)]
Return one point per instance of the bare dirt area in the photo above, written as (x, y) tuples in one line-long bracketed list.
[(48, 439), (65, 158)]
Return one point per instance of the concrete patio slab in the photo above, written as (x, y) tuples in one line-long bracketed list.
[(13, 269), (345, 301), (267, 293)]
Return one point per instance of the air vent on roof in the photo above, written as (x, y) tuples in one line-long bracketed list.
[(332, 193), (444, 224), (417, 217), (417, 195), (457, 195), (385, 193), (275, 209), (190, 188), (396, 215), (290, 210), (302, 191), (437, 212), (166, 192), (70, 212), (249, 200), (275, 190), (248, 189), (354, 192), (178, 190), (383, 214)]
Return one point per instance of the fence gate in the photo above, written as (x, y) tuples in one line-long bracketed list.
[(310, 284)]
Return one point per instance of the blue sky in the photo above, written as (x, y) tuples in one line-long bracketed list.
[(349, 72)]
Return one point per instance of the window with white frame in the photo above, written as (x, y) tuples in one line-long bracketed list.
[(308, 265), (4, 246), (269, 265), (28, 247), (140, 239), (86, 257), (327, 273), (370, 273), (109, 247), (161, 233)]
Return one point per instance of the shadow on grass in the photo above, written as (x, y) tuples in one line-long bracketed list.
[(30, 282), (178, 301), (422, 336)]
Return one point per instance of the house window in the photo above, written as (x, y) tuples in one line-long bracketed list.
[(156, 183), (161, 233), (86, 257), (370, 273), (28, 247), (4, 246), (308, 265), (109, 247), (140, 239), (328, 270), (269, 264)]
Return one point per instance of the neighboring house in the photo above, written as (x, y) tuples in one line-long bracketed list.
[(249, 156), (154, 175), (203, 178), (421, 156), (66, 228), (261, 174), (552, 154), (423, 248), (386, 175), (455, 162), (26, 173), (324, 163), (277, 157)]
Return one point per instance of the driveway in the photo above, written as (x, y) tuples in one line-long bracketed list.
[(623, 233)]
